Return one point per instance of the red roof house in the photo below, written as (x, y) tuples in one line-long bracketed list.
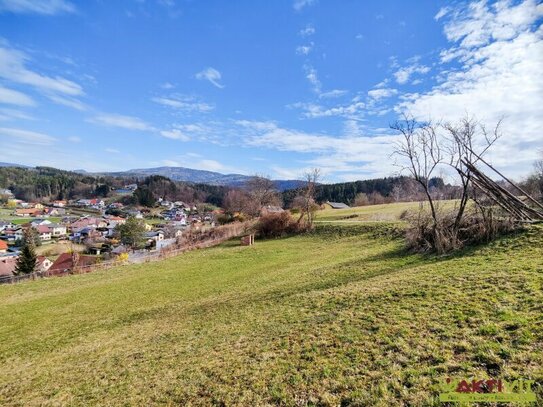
[(7, 266), (67, 262)]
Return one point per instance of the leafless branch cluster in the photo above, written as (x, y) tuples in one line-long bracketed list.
[(428, 147)]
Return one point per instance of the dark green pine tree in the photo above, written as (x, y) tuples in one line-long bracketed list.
[(26, 262)]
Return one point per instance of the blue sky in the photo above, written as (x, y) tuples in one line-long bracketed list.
[(269, 87)]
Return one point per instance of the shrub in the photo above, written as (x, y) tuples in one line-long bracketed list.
[(278, 224), (477, 226)]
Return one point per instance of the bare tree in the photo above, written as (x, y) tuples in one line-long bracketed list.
[(305, 201), (427, 147), (263, 191), (467, 141), (238, 201), (361, 199), (422, 153)]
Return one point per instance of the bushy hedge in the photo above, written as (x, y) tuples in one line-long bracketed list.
[(278, 224)]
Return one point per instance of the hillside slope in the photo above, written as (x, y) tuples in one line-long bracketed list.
[(342, 316)]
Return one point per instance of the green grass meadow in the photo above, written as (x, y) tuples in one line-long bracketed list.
[(342, 316), (377, 213)]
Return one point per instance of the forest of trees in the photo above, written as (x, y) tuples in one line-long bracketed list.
[(45, 183), (157, 186), (397, 188)]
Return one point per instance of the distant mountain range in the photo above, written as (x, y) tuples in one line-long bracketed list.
[(13, 165), (198, 176)]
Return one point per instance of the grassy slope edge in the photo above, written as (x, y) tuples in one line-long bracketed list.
[(342, 316)]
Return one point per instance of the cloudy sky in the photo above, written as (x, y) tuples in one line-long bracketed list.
[(269, 87)]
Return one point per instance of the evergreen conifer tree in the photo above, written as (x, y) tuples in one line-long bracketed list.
[(26, 262)]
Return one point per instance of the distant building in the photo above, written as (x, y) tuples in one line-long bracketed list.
[(7, 266), (67, 262), (270, 209), (337, 205), (43, 264), (44, 232)]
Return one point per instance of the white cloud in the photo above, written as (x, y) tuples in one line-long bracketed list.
[(311, 110), (13, 68), (442, 12), (175, 134), (300, 4), (500, 53), (47, 7), (304, 49), (74, 139), (25, 137), (112, 150), (13, 114), (403, 74), (184, 103), (481, 23), (167, 85), (70, 102), (211, 75), (312, 77), (307, 31), (353, 152), (125, 122), (13, 97), (381, 93), (334, 93)]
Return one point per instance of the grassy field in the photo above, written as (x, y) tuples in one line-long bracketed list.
[(53, 249), (372, 213), (7, 215), (339, 317)]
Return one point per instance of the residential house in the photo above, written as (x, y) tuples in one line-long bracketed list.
[(27, 212), (156, 235), (7, 266), (84, 222), (44, 232), (115, 205), (6, 225), (68, 262), (54, 211), (59, 204), (43, 264), (40, 222), (116, 220), (3, 247), (15, 233), (93, 203), (134, 213), (57, 230)]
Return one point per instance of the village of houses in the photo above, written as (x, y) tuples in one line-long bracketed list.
[(80, 233)]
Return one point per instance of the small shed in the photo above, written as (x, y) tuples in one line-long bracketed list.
[(337, 205)]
